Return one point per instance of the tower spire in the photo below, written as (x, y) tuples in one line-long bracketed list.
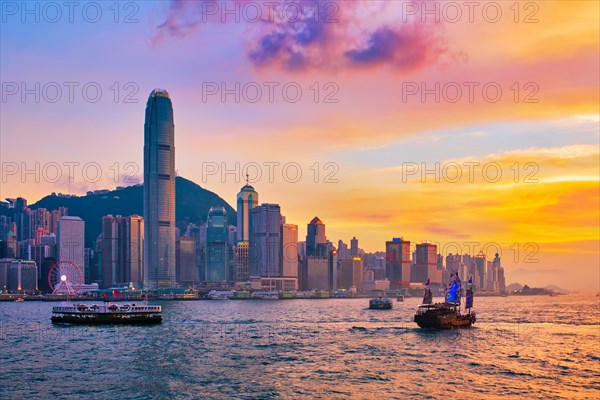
[(247, 179)]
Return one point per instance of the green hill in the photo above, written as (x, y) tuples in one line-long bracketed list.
[(192, 205)]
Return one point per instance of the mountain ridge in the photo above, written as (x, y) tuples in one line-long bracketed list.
[(192, 203)]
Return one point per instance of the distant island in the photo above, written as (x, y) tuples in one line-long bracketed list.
[(526, 290)]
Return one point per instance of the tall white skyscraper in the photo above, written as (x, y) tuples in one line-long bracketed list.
[(159, 192), (70, 236)]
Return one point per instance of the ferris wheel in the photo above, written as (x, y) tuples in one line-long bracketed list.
[(65, 277)]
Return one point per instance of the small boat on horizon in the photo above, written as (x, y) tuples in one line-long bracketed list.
[(380, 304)]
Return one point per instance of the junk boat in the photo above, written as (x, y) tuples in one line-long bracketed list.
[(380, 304), (132, 314), (446, 315)]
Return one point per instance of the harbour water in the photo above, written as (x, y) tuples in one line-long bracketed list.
[(520, 347)]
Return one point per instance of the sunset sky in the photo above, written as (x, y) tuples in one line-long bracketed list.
[(541, 132)]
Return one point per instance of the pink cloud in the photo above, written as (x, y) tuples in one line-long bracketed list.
[(320, 38)]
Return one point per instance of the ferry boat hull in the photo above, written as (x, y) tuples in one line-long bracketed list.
[(106, 319), (107, 315)]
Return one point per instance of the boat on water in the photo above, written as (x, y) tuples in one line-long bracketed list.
[(265, 295), (380, 304), (446, 315), (131, 314), (220, 294), (19, 300)]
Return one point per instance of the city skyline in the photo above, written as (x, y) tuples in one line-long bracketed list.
[(364, 199), (378, 145)]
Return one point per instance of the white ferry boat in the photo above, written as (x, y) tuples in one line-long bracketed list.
[(265, 295), (220, 294), (381, 304), (107, 314)]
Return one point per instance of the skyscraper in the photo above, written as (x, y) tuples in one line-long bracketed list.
[(122, 244), (242, 251), (318, 273), (112, 251), (354, 247), (71, 238), (501, 278), (426, 263), (397, 263), (498, 271), (135, 231), (187, 272), (23, 276), (342, 250), (265, 240), (247, 199), (480, 271), (289, 241), (159, 192), (22, 218), (351, 273), (316, 241), (217, 246)]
